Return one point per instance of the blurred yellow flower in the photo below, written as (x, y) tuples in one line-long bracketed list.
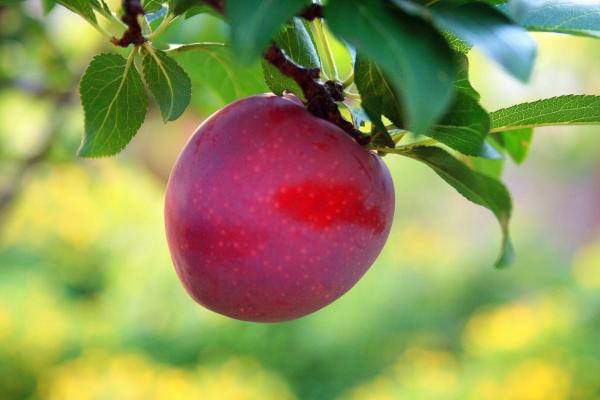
[(586, 267), (98, 376), (516, 325), (420, 373), (537, 380)]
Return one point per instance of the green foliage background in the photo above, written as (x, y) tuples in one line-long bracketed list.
[(90, 306)]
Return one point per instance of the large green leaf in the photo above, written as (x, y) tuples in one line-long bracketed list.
[(564, 16), (562, 110), (415, 58), (216, 75), (485, 27), (478, 188), (298, 45), (81, 7), (493, 33), (464, 127), (168, 82), (254, 23), (114, 104)]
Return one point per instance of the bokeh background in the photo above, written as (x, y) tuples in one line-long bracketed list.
[(90, 306)]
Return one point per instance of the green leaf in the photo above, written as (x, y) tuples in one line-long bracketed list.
[(114, 104), (168, 82), (485, 166), (151, 6), (457, 44), (517, 143), (255, 22), (48, 5), (377, 95), (462, 82), (562, 110), (464, 127), (478, 188), (298, 45), (493, 33), (415, 58), (201, 9), (181, 6), (215, 74), (565, 16), (81, 7)]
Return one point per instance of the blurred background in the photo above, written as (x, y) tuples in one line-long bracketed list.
[(91, 308)]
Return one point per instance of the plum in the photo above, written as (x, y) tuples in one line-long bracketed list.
[(272, 213)]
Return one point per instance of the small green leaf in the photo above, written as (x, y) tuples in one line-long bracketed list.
[(493, 33), (48, 5), (168, 82), (81, 7), (516, 143), (151, 6), (415, 58), (255, 22), (181, 6), (462, 82), (478, 188), (298, 45), (565, 16), (464, 127), (377, 95), (562, 110), (216, 75), (114, 104)]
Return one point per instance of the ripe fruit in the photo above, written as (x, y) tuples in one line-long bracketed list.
[(272, 213)]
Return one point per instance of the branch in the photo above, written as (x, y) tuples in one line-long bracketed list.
[(133, 34), (321, 98)]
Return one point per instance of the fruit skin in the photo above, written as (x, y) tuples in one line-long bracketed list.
[(272, 213)]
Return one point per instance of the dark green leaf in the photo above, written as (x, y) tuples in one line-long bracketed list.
[(478, 188), (565, 16), (215, 74), (415, 58), (168, 82), (114, 104), (462, 83), (255, 22), (298, 45), (562, 110), (377, 95), (181, 6), (493, 33)]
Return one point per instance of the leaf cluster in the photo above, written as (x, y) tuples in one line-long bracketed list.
[(409, 91)]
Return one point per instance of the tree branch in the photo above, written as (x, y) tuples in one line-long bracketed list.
[(133, 34), (321, 98)]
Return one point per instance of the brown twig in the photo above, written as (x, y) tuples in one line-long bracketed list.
[(133, 34), (311, 12), (321, 98)]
